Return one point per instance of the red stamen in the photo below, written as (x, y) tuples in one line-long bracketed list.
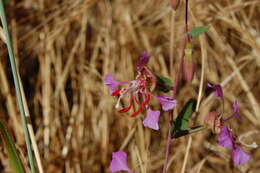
[(116, 92), (140, 106), (148, 96), (127, 108), (137, 112), (137, 101)]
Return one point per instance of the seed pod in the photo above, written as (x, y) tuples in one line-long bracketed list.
[(175, 4), (188, 64)]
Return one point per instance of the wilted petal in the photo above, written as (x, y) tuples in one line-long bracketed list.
[(119, 162), (144, 58), (218, 90), (152, 119), (167, 102), (225, 138), (235, 111), (239, 156)]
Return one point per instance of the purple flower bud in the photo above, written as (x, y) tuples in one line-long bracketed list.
[(239, 156), (119, 162), (235, 111), (225, 138), (218, 90), (152, 119), (167, 102), (144, 58)]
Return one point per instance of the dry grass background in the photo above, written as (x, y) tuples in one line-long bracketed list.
[(65, 48)]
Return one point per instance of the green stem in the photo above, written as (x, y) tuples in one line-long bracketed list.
[(17, 86)]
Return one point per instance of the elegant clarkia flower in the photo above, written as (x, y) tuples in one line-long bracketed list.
[(119, 162), (139, 92), (227, 139), (218, 90), (152, 119)]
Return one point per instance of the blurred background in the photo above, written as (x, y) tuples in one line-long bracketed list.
[(65, 48)]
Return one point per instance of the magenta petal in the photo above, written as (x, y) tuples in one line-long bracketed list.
[(152, 119), (225, 137), (144, 58), (167, 102), (235, 111), (218, 90), (111, 83), (119, 162), (239, 156)]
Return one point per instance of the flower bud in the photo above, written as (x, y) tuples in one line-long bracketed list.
[(213, 121)]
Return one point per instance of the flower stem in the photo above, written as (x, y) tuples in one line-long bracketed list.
[(177, 81)]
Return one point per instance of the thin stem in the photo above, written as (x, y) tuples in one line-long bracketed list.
[(177, 81), (17, 86)]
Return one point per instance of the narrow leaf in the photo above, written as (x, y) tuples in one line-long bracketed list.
[(163, 84), (182, 133), (17, 85), (197, 31), (181, 122), (14, 159)]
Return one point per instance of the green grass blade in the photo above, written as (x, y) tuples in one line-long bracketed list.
[(14, 159), (192, 130), (17, 86)]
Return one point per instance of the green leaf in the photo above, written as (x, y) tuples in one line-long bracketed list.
[(182, 133), (163, 84), (14, 159), (181, 123), (196, 31)]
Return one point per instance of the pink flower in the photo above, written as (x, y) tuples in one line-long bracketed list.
[(166, 102), (239, 156), (119, 162), (139, 90), (152, 119), (228, 140), (218, 90)]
